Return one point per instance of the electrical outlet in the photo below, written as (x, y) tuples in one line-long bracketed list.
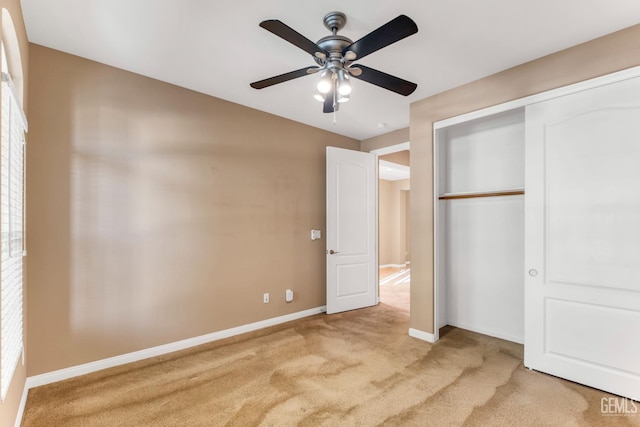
[(265, 298), (288, 295)]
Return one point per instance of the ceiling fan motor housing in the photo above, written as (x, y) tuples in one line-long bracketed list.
[(333, 44), (335, 21)]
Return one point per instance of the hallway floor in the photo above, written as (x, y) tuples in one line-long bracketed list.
[(394, 287)]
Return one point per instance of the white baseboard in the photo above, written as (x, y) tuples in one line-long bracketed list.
[(489, 332), (87, 368), (23, 403), (422, 335), (393, 265)]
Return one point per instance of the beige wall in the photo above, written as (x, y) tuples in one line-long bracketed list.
[(400, 157), (9, 408), (399, 136), (392, 221), (607, 54), (158, 214), (387, 222)]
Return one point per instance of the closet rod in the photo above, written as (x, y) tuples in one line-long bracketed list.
[(475, 195)]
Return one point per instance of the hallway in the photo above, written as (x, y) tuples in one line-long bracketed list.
[(395, 284)]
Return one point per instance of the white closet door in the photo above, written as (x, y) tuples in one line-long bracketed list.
[(582, 237)]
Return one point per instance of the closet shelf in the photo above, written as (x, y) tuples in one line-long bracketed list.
[(451, 196)]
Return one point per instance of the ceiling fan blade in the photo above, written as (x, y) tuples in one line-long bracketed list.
[(386, 81), (292, 36), (282, 78), (389, 33), (328, 103)]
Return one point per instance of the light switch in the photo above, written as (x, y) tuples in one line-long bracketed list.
[(316, 234)]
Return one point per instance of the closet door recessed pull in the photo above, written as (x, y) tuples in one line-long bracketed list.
[(533, 272)]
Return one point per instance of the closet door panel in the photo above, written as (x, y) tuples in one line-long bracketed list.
[(582, 237), (593, 197)]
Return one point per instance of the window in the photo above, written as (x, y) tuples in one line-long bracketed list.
[(13, 125)]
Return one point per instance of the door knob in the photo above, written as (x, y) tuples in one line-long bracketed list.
[(333, 252)]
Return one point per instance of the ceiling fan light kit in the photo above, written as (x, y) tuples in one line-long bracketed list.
[(325, 83), (335, 54)]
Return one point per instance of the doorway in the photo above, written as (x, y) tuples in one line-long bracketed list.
[(394, 253)]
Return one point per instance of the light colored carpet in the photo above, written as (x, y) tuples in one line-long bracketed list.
[(352, 369)]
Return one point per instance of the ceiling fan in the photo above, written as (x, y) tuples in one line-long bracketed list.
[(335, 54)]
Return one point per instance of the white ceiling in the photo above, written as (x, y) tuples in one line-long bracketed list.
[(217, 47), (393, 171)]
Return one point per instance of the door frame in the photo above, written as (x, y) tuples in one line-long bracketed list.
[(484, 112), (381, 152)]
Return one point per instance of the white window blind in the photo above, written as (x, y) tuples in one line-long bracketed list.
[(13, 127)]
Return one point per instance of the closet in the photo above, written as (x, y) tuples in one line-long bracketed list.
[(480, 218), (537, 228)]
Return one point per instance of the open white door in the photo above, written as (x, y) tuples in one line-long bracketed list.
[(352, 226), (582, 238)]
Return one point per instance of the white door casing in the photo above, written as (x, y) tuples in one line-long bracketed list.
[(582, 237), (352, 189)]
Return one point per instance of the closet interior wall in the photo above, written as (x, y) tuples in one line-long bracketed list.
[(479, 191)]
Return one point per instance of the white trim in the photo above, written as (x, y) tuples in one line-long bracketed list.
[(488, 332), (87, 368), (539, 97), (422, 335), (392, 149), (23, 403), (376, 283), (7, 79), (436, 235)]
